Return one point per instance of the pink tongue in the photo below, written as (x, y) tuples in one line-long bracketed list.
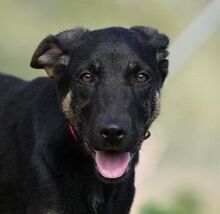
[(112, 164)]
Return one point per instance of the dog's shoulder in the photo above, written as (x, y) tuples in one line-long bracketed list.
[(17, 95), (8, 83), (11, 85)]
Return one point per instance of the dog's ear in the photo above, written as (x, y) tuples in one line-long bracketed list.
[(55, 50), (158, 42)]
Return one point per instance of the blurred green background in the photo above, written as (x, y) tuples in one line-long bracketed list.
[(179, 169)]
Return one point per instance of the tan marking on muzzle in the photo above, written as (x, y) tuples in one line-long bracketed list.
[(156, 101), (156, 104), (66, 105)]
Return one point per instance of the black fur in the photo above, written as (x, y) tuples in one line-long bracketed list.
[(42, 169)]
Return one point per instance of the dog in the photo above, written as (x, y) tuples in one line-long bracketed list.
[(69, 143)]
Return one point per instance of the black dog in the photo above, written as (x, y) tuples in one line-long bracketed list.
[(70, 145)]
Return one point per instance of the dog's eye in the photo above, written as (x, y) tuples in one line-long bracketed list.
[(86, 77), (141, 78)]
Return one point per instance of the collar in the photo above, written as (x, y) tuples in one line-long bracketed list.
[(73, 132)]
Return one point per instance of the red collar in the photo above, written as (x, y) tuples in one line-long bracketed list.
[(73, 132)]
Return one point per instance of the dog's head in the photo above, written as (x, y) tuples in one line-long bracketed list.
[(108, 84)]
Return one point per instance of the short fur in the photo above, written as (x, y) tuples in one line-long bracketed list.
[(42, 169)]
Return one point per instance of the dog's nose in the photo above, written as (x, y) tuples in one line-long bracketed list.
[(112, 133)]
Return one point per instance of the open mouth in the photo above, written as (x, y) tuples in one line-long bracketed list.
[(112, 164)]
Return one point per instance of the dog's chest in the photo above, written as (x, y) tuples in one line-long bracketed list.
[(51, 212)]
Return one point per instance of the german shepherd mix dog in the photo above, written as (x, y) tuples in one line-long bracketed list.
[(69, 144)]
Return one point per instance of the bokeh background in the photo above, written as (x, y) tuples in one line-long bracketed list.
[(179, 169)]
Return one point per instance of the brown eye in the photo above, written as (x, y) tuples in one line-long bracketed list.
[(87, 78), (142, 78)]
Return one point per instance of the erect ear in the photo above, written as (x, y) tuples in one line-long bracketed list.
[(55, 50), (159, 43)]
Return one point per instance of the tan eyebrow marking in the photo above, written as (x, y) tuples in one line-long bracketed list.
[(95, 65), (132, 66)]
